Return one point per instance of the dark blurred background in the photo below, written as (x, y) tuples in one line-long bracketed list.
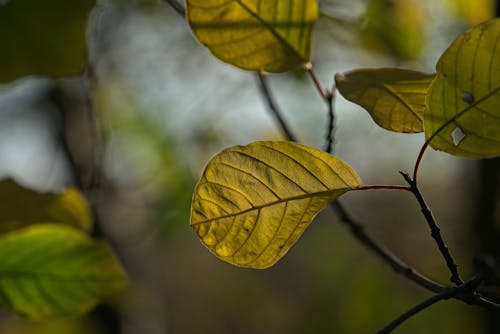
[(135, 133)]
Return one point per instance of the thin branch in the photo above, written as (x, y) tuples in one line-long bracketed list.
[(330, 133), (273, 107), (177, 7), (435, 231), (392, 260), (462, 292), (446, 294)]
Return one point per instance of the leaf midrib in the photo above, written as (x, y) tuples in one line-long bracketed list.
[(325, 193), (461, 113), (271, 29)]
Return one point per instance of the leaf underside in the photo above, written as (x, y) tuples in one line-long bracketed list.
[(395, 98), (271, 35), (53, 270), (253, 202), (463, 106)]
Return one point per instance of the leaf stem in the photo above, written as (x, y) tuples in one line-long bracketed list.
[(273, 107), (383, 187), (325, 94), (435, 231), (419, 160)]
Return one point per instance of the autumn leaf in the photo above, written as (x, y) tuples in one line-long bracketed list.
[(463, 106), (395, 98), (271, 35), (253, 202)]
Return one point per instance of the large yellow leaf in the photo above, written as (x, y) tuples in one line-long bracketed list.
[(463, 105), (253, 202), (270, 35), (395, 98), (20, 207)]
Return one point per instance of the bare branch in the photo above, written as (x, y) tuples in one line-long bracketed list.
[(446, 294), (177, 7), (273, 107), (435, 231), (392, 260)]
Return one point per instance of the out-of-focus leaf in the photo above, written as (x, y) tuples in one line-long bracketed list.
[(474, 12), (253, 202), (55, 270), (43, 38), (395, 98), (21, 206), (463, 106), (271, 35), (394, 27)]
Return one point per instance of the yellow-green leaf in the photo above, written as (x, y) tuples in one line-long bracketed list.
[(270, 35), (21, 206), (43, 38), (463, 105), (55, 270), (253, 202), (395, 98)]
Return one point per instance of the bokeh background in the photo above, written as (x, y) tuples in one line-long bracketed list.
[(153, 108)]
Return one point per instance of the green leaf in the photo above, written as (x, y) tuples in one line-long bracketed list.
[(43, 38), (22, 206), (55, 270), (253, 202), (463, 106), (271, 35), (395, 98)]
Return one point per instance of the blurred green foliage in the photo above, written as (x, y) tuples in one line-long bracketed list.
[(43, 38), (395, 27)]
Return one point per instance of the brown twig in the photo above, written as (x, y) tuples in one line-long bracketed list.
[(273, 107), (460, 292), (177, 7), (435, 231)]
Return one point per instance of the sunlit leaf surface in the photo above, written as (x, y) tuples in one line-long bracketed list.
[(463, 113), (21, 206), (43, 38), (54, 270), (253, 202), (271, 35), (395, 98)]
